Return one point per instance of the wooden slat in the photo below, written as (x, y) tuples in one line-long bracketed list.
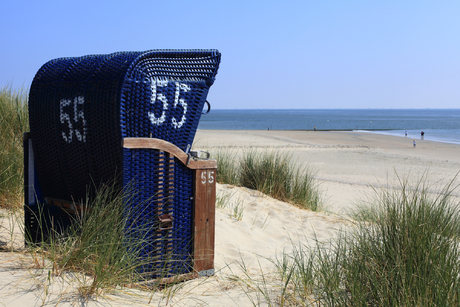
[(152, 143), (204, 215), (74, 208)]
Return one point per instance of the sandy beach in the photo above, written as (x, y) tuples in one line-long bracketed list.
[(348, 166)]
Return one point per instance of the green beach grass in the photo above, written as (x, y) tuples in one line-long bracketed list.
[(14, 121), (405, 252), (273, 173), (103, 247)]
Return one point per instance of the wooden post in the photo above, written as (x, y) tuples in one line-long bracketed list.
[(204, 216)]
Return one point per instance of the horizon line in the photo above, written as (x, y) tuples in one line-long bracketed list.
[(237, 109)]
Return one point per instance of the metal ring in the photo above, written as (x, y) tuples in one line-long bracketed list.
[(209, 108)]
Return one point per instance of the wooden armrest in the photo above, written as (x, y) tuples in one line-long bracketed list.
[(152, 143)]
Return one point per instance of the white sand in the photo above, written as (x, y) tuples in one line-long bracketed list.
[(347, 165)]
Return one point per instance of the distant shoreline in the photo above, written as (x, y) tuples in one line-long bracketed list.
[(332, 130), (427, 137)]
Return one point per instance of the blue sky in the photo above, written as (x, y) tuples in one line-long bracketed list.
[(275, 54)]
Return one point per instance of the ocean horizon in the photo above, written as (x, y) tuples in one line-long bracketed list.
[(440, 125)]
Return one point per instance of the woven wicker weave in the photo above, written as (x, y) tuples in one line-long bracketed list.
[(163, 187), (81, 108)]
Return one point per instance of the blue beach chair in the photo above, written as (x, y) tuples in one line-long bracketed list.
[(82, 109)]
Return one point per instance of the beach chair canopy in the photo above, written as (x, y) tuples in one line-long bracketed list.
[(80, 109)]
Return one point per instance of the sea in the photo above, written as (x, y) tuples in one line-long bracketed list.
[(440, 125)]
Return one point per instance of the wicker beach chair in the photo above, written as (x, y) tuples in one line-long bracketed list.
[(80, 111)]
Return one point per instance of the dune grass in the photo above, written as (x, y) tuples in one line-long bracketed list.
[(227, 172), (406, 254), (104, 247), (271, 172), (14, 121), (95, 245)]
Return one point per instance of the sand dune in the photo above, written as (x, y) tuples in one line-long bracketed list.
[(348, 165)]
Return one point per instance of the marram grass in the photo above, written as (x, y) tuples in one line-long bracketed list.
[(407, 254), (227, 170), (101, 247), (14, 121), (271, 172)]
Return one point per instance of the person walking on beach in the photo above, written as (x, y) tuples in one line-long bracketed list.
[(422, 134), (405, 133), (415, 144)]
